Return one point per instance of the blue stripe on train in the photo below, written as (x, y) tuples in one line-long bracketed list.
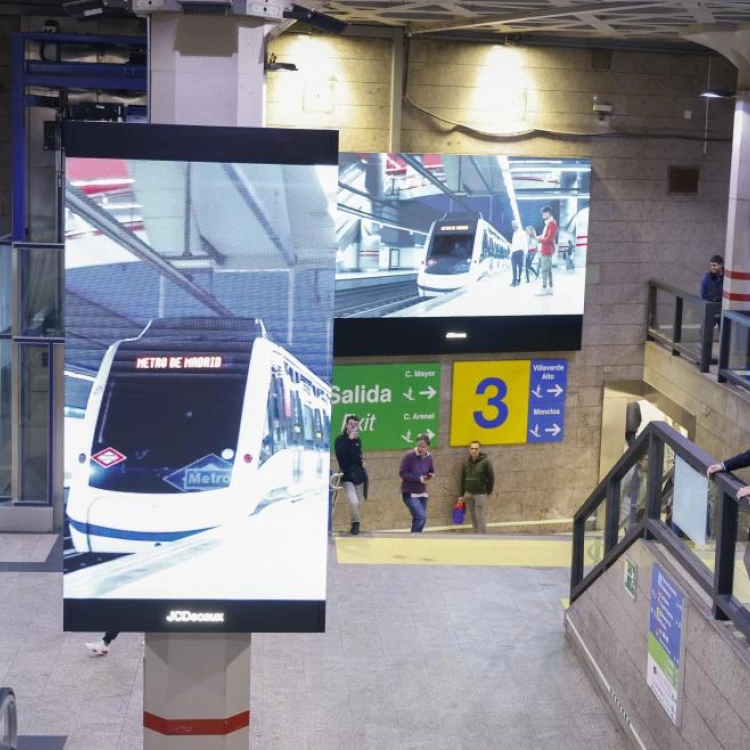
[(138, 536)]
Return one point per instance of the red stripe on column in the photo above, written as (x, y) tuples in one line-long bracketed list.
[(195, 727), (737, 297), (739, 275)]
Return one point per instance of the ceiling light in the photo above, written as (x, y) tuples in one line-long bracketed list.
[(719, 94)]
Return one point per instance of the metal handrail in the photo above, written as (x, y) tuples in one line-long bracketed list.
[(710, 312), (8, 720), (719, 584), (729, 319)]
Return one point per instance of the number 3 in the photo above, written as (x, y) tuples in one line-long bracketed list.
[(496, 402)]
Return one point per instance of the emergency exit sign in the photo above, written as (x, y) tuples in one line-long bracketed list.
[(395, 403)]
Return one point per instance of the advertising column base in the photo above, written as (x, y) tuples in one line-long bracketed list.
[(197, 692)]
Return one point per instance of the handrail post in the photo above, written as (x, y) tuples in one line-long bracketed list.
[(726, 538), (655, 474), (576, 567), (725, 339), (677, 331), (707, 341), (612, 515), (652, 298)]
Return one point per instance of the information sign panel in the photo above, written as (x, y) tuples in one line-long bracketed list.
[(395, 403), (508, 401), (665, 641)]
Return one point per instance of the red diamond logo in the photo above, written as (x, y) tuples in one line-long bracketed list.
[(108, 457)]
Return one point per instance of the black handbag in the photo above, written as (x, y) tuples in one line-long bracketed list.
[(355, 474)]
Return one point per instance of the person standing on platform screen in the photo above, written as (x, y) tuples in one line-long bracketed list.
[(531, 254), (416, 471), (519, 246), (547, 242), (477, 482), (348, 449)]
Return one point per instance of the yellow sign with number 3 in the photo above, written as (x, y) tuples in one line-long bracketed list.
[(490, 402)]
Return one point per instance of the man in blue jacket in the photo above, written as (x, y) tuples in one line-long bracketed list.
[(712, 286), (416, 471)]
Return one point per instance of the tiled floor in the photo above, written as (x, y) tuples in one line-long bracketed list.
[(415, 657)]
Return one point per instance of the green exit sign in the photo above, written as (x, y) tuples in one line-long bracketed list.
[(395, 402)]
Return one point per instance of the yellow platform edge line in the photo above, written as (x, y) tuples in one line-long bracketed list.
[(536, 553)]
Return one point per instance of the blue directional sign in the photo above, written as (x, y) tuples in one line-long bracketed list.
[(547, 389), (207, 473)]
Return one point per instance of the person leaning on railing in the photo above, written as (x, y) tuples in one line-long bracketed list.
[(740, 461)]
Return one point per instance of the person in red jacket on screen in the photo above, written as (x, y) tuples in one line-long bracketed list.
[(547, 249)]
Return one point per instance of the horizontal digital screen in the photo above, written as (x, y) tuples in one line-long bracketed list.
[(199, 307), (476, 245)]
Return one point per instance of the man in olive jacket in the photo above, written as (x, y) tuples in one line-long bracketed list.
[(477, 481)]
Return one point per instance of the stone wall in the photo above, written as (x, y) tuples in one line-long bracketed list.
[(637, 230), (722, 412), (716, 665)]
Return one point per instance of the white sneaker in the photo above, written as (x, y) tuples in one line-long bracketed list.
[(100, 648)]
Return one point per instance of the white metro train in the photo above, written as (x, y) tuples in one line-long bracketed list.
[(195, 423), (460, 252)]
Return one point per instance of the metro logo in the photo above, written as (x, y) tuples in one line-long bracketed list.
[(185, 615), (108, 457)]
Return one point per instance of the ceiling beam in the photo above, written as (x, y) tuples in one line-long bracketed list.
[(537, 15)]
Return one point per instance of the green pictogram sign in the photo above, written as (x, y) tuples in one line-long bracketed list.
[(395, 402)]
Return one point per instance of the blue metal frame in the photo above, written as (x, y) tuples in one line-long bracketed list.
[(62, 76), (7, 337)]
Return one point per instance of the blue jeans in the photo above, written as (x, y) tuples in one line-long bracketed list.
[(418, 508)]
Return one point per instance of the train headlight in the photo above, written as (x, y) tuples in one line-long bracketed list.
[(81, 458), (248, 458)]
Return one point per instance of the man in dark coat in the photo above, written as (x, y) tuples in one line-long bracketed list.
[(477, 482)]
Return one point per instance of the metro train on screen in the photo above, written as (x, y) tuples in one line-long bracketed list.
[(460, 252), (195, 423)]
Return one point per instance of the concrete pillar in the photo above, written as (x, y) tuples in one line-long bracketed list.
[(733, 42), (207, 70), (204, 70), (737, 250), (196, 692)]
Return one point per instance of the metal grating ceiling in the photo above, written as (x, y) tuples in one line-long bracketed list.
[(611, 19), (623, 20)]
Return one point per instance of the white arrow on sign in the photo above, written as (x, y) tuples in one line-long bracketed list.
[(407, 436), (557, 390), (430, 434), (430, 392), (538, 391), (408, 395), (535, 432), (555, 429)]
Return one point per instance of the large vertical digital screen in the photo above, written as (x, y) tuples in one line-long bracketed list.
[(199, 306), (441, 253)]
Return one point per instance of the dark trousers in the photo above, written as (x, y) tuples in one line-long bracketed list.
[(530, 265), (418, 508), (516, 261), (109, 637)]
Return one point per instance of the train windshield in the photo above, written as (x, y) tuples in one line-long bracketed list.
[(167, 432), (449, 253)]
